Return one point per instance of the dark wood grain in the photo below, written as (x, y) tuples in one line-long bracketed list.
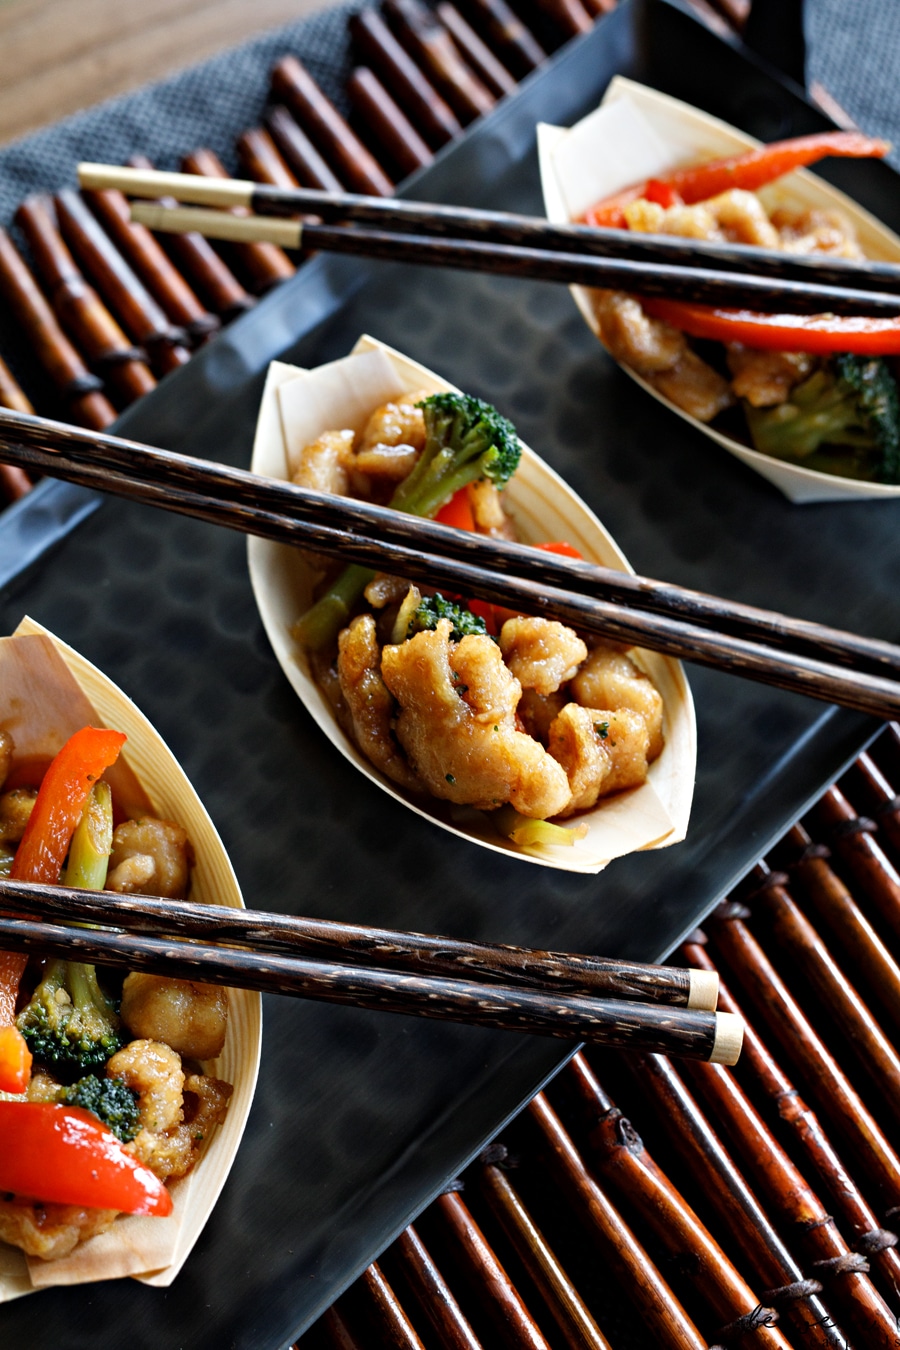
[(616, 1022), (289, 934), (299, 153), (727, 1195), (663, 1316), (78, 306), (576, 1326), (489, 68), (514, 1323), (506, 34), (143, 319), (386, 123), (619, 1155), (377, 46), (428, 42), (507, 572), (203, 266), (861, 1139), (40, 328), (432, 1293), (761, 1072), (152, 264), (324, 125), (263, 265)]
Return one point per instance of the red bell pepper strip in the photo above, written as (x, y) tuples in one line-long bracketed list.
[(42, 849), (15, 1060), (457, 511), (563, 548), (750, 170), (60, 802), (63, 1154), (816, 333)]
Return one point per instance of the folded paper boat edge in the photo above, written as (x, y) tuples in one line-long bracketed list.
[(545, 508), (150, 1250), (637, 132)]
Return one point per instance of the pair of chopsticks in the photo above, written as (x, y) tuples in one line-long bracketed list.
[(620, 1003), (501, 243), (825, 663)]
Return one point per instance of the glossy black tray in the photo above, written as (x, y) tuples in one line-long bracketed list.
[(360, 1118)]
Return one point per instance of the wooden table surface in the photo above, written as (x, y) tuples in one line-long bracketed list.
[(57, 56)]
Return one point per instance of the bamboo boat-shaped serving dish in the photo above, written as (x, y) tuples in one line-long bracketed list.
[(342, 394), (47, 692), (638, 133)]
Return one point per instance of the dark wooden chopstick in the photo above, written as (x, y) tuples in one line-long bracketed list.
[(357, 944), (622, 1023), (500, 227), (666, 280), (434, 555)]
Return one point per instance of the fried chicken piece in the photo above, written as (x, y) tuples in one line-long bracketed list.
[(486, 501), (324, 463), (176, 1111), (15, 808), (816, 231), (48, 1230), (541, 653), (575, 741), (688, 222), (742, 219), (369, 702), (457, 725), (154, 1072), (631, 336), (694, 387), (150, 857), (397, 422), (536, 711), (766, 378), (610, 679), (186, 1015)]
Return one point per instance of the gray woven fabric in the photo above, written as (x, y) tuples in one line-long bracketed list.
[(853, 50)]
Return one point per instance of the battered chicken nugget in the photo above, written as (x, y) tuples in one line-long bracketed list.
[(541, 653), (368, 701), (457, 725), (610, 679), (577, 739)]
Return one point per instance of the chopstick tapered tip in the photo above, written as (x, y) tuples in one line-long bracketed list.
[(729, 1039), (703, 990)]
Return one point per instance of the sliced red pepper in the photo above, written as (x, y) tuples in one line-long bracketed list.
[(60, 802), (15, 1059), (750, 170), (816, 333), (457, 511), (563, 548), (63, 1154), (485, 610)]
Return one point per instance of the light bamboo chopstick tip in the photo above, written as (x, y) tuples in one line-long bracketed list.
[(187, 187), (703, 990), (729, 1039)]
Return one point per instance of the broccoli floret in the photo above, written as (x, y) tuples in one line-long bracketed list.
[(70, 1023), (851, 401), (110, 1099), (432, 608), (465, 439)]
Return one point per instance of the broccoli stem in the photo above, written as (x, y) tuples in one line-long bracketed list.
[(465, 439), (92, 842), (320, 624)]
